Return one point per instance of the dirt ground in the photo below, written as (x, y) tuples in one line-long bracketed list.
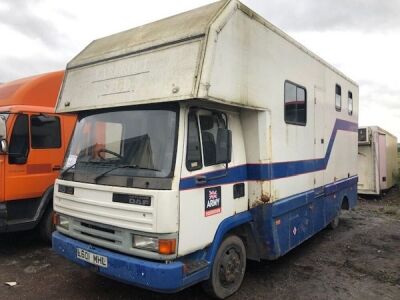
[(358, 260)]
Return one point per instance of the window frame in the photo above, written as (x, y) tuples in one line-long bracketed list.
[(284, 102), (350, 97), (195, 110), (31, 133), (340, 89)]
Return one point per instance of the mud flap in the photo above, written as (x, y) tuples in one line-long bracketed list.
[(3, 217)]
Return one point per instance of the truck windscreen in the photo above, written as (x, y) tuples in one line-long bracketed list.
[(129, 143)]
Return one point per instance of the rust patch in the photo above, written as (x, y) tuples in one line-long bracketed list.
[(265, 198)]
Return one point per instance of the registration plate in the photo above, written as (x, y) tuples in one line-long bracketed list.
[(92, 258)]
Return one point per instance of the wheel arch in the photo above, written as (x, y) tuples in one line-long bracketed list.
[(345, 205), (45, 201), (240, 225)]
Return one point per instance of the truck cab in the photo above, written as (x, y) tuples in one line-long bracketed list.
[(33, 140)]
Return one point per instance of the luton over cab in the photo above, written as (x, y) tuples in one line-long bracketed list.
[(33, 140), (202, 140)]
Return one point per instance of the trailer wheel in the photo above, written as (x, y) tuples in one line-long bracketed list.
[(228, 269), (46, 226)]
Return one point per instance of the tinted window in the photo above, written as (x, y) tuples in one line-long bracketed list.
[(338, 98), (45, 132), (295, 104), (193, 155), (350, 104), (19, 142)]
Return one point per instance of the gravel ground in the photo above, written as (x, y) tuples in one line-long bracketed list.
[(358, 260)]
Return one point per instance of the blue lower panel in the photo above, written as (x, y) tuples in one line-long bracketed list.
[(283, 225), (151, 275), (277, 227)]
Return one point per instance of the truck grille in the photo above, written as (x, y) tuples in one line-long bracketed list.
[(98, 232)]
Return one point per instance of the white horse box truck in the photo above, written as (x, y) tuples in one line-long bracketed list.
[(202, 140), (377, 160)]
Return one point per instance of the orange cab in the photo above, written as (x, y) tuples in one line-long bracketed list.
[(33, 140)]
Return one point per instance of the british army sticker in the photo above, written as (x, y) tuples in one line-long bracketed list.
[(212, 201)]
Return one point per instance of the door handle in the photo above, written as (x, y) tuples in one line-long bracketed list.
[(56, 168), (201, 180)]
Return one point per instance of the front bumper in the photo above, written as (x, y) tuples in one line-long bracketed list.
[(156, 276)]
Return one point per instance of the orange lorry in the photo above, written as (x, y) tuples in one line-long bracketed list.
[(33, 140)]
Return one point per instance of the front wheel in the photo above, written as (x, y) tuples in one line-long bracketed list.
[(228, 269)]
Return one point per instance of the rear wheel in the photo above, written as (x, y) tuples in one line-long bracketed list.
[(335, 222), (46, 226), (228, 269)]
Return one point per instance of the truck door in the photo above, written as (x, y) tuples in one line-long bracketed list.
[(35, 155), (319, 138), (207, 194), (16, 167)]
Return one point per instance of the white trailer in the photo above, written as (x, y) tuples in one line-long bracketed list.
[(202, 140), (377, 160)]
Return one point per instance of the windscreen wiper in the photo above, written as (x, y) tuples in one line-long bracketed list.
[(122, 167)]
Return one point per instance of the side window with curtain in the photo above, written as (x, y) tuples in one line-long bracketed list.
[(350, 103), (295, 104), (19, 142), (338, 97), (193, 153)]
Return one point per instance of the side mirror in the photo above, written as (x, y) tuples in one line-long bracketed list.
[(3, 146), (224, 146), (3, 127)]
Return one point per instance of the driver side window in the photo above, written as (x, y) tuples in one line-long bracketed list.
[(202, 141), (19, 142), (209, 125)]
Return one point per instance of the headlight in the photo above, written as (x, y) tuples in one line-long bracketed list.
[(61, 221), (162, 246), (144, 242)]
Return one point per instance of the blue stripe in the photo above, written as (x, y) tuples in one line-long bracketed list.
[(273, 171)]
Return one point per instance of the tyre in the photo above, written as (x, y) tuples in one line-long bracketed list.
[(335, 222), (46, 226), (228, 269)]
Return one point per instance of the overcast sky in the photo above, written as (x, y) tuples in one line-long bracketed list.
[(360, 37)]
